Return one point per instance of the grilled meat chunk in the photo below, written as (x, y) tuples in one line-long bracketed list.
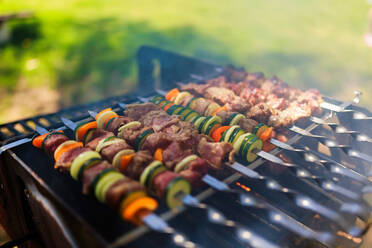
[(136, 111), (121, 188), (65, 160), (110, 151), (215, 153), (174, 153), (91, 173), (139, 162), (53, 141)]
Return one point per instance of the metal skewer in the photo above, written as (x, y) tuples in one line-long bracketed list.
[(191, 201), (273, 185)]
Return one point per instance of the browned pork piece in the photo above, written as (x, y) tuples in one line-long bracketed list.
[(267, 100)]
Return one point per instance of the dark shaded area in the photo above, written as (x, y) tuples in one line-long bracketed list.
[(101, 62), (25, 31)]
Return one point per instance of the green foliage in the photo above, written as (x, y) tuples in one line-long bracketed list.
[(86, 49)]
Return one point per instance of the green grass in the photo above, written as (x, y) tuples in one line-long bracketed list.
[(86, 50)]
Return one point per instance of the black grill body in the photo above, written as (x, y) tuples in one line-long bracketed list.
[(40, 200)]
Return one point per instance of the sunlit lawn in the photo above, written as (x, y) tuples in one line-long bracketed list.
[(87, 47)]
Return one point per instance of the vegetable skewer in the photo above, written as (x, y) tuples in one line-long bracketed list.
[(238, 118), (271, 184), (81, 131), (236, 135)]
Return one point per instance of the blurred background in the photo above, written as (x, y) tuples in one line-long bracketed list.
[(60, 53), (57, 53)]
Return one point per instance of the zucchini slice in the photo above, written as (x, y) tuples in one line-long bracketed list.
[(211, 119), (212, 127), (235, 120), (244, 142), (228, 133), (198, 121), (172, 109), (153, 169), (211, 108), (178, 110), (190, 115), (87, 164), (101, 120), (96, 179), (184, 163), (194, 103), (88, 136), (141, 138), (240, 140), (181, 96), (188, 105), (235, 135), (251, 145), (80, 160), (105, 182), (202, 124), (131, 124), (108, 141), (156, 99), (175, 190)]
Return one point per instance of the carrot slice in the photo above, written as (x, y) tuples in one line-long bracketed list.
[(158, 155), (38, 141), (267, 134), (138, 205), (172, 93), (216, 135), (82, 130), (113, 115), (166, 107), (125, 161), (103, 111), (66, 148), (223, 108)]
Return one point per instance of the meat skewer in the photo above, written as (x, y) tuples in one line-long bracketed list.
[(221, 186), (66, 152), (271, 184), (193, 202), (324, 182), (249, 125)]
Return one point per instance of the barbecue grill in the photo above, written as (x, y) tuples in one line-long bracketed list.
[(48, 208)]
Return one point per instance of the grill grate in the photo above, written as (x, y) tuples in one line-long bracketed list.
[(171, 68)]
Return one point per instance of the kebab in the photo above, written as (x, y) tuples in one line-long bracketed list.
[(266, 100), (101, 140), (139, 111), (98, 176), (110, 121), (274, 102), (263, 131)]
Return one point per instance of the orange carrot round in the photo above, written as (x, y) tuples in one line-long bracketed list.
[(38, 141), (125, 161), (66, 148), (172, 93), (103, 111), (144, 203), (158, 155), (267, 134), (166, 107), (82, 130), (216, 135), (223, 108)]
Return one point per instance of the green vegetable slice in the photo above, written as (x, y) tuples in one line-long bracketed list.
[(80, 160), (176, 188), (141, 138), (153, 169), (184, 163), (87, 164)]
